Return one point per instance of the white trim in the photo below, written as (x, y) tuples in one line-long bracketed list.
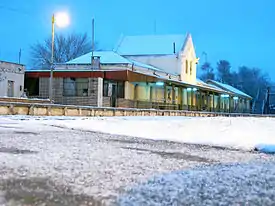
[(99, 92)]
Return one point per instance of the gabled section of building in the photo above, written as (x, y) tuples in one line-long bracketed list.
[(175, 54)]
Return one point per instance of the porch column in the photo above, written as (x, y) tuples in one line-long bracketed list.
[(180, 97), (207, 101), (173, 94), (165, 92), (99, 91), (151, 93), (219, 103), (230, 103), (135, 92), (191, 96), (201, 101), (213, 105), (173, 97)]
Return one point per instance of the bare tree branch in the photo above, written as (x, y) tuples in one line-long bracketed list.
[(66, 48)]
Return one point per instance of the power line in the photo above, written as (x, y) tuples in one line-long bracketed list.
[(14, 10)]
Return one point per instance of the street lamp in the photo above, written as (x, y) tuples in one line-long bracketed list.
[(61, 20)]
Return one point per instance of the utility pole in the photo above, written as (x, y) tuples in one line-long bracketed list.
[(19, 56), (155, 27), (93, 41), (205, 55)]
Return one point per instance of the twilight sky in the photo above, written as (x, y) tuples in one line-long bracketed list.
[(241, 31)]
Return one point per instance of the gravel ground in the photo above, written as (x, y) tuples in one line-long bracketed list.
[(46, 165), (236, 184)]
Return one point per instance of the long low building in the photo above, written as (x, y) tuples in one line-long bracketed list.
[(141, 72)]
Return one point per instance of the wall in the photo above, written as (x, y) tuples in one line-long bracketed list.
[(90, 100), (188, 58), (168, 63), (129, 90), (142, 91), (63, 110), (175, 64), (11, 72)]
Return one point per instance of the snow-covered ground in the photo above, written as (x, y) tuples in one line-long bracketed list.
[(70, 152), (235, 132)]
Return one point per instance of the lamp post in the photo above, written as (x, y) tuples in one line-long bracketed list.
[(61, 20)]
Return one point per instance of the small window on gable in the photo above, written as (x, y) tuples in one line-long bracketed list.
[(186, 66), (191, 68)]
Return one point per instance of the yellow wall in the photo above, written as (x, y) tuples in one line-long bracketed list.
[(142, 92), (129, 90), (157, 94)]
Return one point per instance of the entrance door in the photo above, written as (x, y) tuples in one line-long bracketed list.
[(114, 95), (10, 88)]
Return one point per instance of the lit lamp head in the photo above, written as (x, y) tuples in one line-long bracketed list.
[(62, 19)]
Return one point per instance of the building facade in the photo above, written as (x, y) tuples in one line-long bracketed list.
[(160, 77), (11, 79)]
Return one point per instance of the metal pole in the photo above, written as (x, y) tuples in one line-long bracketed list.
[(19, 58), (205, 56), (93, 41), (52, 62), (155, 27)]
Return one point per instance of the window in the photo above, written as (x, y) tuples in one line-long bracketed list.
[(75, 86), (186, 66), (191, 68), (113, 88)]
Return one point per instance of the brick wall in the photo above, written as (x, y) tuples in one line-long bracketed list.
[(90, 100), (106, 102), (126, 103)]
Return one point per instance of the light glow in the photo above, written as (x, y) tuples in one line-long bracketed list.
[(159, 83), (225, 95), (62, 19)]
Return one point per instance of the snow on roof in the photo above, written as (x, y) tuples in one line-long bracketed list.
[(106, 57), (110, 57), (229, 88), (140, 64), (150, 44), (204, 84)]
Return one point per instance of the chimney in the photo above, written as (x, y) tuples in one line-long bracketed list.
[(174, 47), (95, 62)]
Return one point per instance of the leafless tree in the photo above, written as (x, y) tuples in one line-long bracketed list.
[(66, 48)]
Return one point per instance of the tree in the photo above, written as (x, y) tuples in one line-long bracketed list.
[(66, 48), (252, 80), (208, 72), (223, 72)]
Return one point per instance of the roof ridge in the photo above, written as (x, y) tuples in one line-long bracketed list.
[(120, 40), (155, 35)]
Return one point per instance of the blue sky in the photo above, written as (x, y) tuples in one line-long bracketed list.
[(241, 31)]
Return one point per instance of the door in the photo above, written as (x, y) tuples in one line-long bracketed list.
[(114, 95), (10, 88)]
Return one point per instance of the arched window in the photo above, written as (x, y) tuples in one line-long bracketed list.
[(186, 66)]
